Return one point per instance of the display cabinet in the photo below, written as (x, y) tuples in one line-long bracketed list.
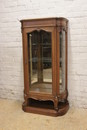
[(45, 65)]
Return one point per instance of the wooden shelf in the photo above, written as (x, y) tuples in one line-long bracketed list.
[(41, 87)]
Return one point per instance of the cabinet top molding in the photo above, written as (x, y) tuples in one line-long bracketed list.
[(49, 18), (61, 21)]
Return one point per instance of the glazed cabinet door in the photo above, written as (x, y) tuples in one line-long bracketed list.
[(40, 60)]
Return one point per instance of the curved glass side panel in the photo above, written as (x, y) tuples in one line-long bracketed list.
[(40, 61), (62, 62)]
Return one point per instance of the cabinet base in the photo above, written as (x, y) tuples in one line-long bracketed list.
[(62, 109)]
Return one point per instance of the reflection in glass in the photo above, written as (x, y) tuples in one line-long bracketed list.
[(62, 61), (40, 61)]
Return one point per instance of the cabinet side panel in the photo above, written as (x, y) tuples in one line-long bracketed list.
[(25, 62)]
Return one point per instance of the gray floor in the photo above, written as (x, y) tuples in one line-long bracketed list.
[(13, 118)]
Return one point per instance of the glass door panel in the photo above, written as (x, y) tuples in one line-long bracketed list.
[(62, 61), (47, 57), (40, 61)]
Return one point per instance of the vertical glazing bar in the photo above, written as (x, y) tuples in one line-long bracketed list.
[(30, 54), (54, 79), (66, 62), (58, 59)]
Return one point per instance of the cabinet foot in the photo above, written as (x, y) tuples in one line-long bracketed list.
[(56, 103)]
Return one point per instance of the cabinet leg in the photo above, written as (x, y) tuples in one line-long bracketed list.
[(56, 103), (26, 99)]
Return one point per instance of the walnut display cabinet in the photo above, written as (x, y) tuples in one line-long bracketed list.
[(45, 66)]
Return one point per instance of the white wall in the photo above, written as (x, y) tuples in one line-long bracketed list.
[(11, 68)]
